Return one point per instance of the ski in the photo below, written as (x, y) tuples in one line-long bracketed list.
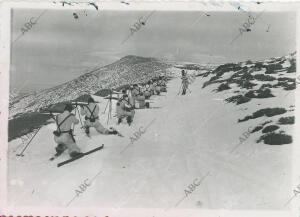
[(153, 107), (118, 133), (80, 156)]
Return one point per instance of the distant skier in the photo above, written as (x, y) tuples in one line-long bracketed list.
[(147, 90), (63, 136), (185, 82), (141, 101), (163, 85), (91, 112), (151, 87), (156, 87)]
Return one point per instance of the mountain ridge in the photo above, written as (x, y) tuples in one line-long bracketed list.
[(129, 69)]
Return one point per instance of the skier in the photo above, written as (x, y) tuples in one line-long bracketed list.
[(63, 136), (134, 93), (151, 87), (163, 85), (157, 87), (147, 91), (125, 109), (141, 100), (185, 82), (131, 98), (91, 112)]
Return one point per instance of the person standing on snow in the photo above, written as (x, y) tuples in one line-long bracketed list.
[(63, 136), (91, 111), (185, 82)]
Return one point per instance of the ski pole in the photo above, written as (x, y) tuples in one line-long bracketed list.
[(75, 116), (105, 108), (179, 89), (79, 117), (21, 154), (109, 111)]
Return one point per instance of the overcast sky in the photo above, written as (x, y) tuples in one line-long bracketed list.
[(59, 48)]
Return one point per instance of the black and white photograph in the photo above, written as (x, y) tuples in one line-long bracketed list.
[(133, 106)]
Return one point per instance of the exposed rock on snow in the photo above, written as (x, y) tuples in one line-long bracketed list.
[(245, 82)]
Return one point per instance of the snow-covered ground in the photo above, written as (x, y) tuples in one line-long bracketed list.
[(189, 137)]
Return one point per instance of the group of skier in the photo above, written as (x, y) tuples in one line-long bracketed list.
[(135, 97), (64, 137), (132, 98)]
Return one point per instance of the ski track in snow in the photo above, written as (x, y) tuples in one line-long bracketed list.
[(191, 136)]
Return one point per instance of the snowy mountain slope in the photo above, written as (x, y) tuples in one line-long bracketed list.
[(129, 69), (189, 137), (264, 90), (24, 117)]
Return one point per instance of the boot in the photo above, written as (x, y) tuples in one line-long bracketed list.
[(129, 120), (75, 154), (60, 148)]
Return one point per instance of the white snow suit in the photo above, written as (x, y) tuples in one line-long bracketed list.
[(91, 112), (66, 137)]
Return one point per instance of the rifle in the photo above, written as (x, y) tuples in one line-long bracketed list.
[(80, 103), (115, 98)]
